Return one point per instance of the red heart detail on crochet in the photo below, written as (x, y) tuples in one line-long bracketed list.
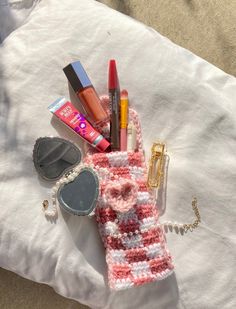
[(122, 195)]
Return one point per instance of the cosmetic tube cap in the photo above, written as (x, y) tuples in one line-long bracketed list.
[(113, 81), (103, 145), (77, 76)]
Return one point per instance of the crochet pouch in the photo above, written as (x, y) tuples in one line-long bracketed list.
[(128, 218)]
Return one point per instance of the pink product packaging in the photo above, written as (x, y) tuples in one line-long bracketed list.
[(68, 114)]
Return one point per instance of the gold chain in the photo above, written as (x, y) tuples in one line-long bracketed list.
[(185, 227), (191, 226)]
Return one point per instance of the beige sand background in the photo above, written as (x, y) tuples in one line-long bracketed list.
[(207, 28)]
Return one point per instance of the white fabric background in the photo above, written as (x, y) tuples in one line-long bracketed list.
[(181, 99), (13, 13)]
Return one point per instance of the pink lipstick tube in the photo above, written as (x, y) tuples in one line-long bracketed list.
[(68, 114)]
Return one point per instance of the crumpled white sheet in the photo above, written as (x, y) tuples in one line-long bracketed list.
[(13, 13), (181, 99)]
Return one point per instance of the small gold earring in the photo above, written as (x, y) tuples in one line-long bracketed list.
[(45, 204)]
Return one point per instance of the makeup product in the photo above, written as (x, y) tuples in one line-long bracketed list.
[(85, 91), (156, 164), (123, 119), (68, 114), (114, 98), (131, 137)]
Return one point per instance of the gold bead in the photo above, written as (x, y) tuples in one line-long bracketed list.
[(45, 204)]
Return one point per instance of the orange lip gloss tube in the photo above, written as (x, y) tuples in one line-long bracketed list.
[(85, 91)]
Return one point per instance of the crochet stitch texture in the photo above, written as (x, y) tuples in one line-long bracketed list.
[(128, 218)]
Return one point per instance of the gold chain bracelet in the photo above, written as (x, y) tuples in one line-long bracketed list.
[(185, 227), (191, 226)]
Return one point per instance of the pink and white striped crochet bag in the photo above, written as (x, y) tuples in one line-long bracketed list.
[(128, 218)]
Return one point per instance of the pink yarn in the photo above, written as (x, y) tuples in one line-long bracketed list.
[(122, 195), (127, 217)]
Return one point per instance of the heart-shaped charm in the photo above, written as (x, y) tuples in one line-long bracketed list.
[(79, 196), (53, 156), (122, 195)]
